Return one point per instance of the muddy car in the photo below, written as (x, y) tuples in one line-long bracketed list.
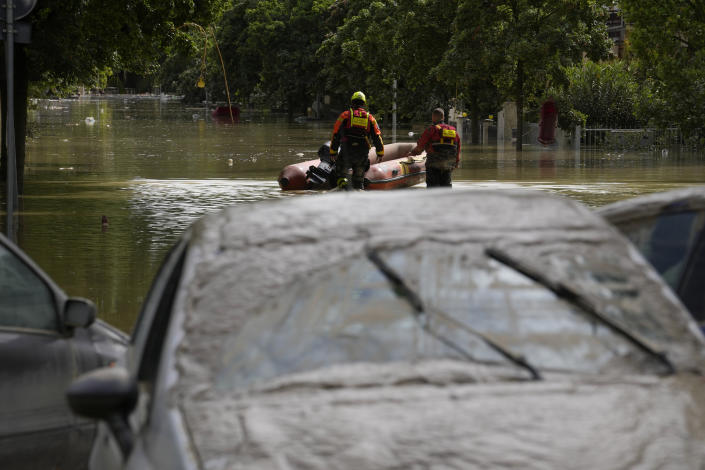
[(669, 229), (47, 339), (408, 329)]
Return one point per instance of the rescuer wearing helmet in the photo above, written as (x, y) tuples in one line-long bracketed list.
[(442, 146), (352, 132)]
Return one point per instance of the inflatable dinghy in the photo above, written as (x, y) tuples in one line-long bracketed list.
[(396, 170)]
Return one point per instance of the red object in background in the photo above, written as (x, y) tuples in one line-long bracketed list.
[(547, 124), (224, 112)]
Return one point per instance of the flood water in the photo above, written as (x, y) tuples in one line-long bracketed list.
[(152, 167)]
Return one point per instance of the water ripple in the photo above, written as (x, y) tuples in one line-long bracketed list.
[(170, 206)]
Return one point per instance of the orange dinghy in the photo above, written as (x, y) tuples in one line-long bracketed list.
[(397, 173), (396, 170)]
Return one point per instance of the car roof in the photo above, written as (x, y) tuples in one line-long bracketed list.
[(677, 200), (245, 256)]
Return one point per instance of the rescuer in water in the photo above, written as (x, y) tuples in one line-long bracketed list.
[(353, 131), (442, 146)]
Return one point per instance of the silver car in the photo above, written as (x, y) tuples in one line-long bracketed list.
[(669, 230), (47, 339), (408, 329)]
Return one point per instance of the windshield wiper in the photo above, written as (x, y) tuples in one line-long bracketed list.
[(582, 301), (404, 291)]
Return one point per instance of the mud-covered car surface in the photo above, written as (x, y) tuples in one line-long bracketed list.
[(410, 329), (669, 229), (46, 340)]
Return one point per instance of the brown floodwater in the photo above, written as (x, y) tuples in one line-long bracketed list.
[(152, 167)]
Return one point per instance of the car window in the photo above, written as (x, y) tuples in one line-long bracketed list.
[(26, 300), (666, 241), (691, 283), (352, 313)]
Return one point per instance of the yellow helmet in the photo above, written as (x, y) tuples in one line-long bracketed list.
[(358, 96)]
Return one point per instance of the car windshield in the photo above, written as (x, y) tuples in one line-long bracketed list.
[(352, 313)]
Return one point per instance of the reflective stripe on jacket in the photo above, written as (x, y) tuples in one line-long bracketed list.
[(440, 137), (356, 123)]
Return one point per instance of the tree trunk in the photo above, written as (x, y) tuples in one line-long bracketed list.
[(475, 121), (21, 83), (290, 108), (520, 105)]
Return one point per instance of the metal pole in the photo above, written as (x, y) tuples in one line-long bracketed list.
[(12, 199), (394, 113)]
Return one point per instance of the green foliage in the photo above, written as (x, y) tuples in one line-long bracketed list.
[(470, 64), (423, 39), (179, 75), (524, 44), (359, 52), (269, 47), (514, 49), (78, 41), (606, 94), (668, 38), (242, 63), (443, 52), (570, 119)]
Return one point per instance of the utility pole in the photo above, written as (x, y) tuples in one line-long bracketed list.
[(13, 10), (394, 113), (12, 198)]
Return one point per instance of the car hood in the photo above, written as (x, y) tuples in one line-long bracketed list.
[(455, 416)]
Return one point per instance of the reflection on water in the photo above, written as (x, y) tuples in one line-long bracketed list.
[(168, 206), (152, 167), (594, 178), (105, 241)]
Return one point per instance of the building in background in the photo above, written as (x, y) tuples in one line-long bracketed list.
[(617, 31)]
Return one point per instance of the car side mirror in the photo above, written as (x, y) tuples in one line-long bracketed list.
[(103, 392), (108, 394), (79, 313)]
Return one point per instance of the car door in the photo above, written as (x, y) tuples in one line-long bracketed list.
[(37, 363), (154, 446)]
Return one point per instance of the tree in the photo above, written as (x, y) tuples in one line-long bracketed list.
[(269, 47), (421, 41), (374, 43), (358, 53), (242, 62), (533, 38), (608, 94), (470, 64), (668, 39), (76, 41)]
